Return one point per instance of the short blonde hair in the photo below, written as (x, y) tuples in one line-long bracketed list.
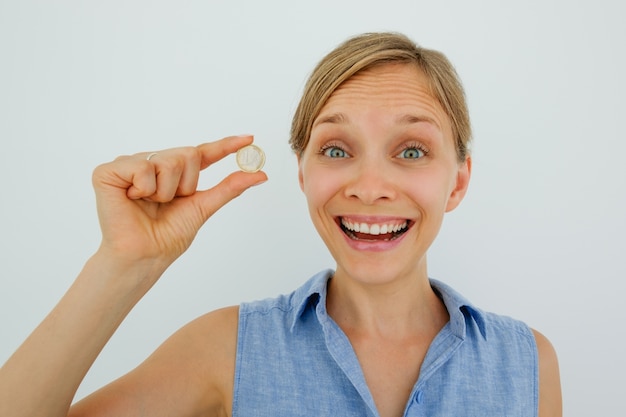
[(371, 49)]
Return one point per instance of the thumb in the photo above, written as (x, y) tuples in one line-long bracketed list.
[(211, 200)]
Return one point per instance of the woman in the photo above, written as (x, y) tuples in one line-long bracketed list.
[(381, 136)]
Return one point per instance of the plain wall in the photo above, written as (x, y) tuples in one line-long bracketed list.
[(539, 237)]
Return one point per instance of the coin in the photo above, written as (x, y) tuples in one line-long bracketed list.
[(250, 158)]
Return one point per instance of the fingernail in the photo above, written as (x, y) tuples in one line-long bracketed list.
[(245, 135)]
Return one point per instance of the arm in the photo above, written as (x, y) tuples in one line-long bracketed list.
[(550, 402), (149, 213), (190, 374)]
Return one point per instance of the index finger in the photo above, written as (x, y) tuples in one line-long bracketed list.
[(214, 151)]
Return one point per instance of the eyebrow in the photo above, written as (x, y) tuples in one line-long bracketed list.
[(411, 119), (331, 118)]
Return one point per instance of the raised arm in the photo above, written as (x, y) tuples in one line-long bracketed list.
[(150, 212)]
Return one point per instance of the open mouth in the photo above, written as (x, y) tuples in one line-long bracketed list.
[(373, 232)]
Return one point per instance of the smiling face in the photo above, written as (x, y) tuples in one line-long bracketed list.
[(379, 172)]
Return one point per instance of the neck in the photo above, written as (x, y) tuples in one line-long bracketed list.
[(401, 308)]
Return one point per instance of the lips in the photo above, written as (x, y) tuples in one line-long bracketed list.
[(373, 231)]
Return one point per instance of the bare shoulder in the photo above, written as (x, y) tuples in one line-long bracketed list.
[(550, 402), (190, 374)]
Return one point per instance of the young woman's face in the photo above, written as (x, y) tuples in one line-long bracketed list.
[(379, 172)]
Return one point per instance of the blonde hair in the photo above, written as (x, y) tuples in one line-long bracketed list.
[(371, 49)]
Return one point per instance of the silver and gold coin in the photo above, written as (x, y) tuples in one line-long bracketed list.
[(250, 158)]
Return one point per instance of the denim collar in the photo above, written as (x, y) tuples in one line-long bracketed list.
[(459, 308)]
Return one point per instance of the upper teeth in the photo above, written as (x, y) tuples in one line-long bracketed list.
[(373, 228)]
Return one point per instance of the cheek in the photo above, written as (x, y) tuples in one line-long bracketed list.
[(317, 187), (428, 190)]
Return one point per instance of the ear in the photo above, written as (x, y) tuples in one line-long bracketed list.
[(462, 182), (300, 177)]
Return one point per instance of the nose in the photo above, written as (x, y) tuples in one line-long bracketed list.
[(371, 182)]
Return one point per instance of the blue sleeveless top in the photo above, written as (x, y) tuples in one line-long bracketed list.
[(293, 360)]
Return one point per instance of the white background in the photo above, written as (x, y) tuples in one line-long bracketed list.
[(540, 235)]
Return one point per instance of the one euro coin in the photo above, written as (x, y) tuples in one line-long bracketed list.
[(250, 158)]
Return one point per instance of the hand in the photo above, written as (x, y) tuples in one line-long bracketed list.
[(151, 209)]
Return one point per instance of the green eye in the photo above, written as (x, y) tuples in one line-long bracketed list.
[(411, 153)]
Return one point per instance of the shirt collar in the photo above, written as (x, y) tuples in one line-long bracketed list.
[(310, 293), (459, 308)]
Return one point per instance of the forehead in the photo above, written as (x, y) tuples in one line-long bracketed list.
[(393, 87)]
